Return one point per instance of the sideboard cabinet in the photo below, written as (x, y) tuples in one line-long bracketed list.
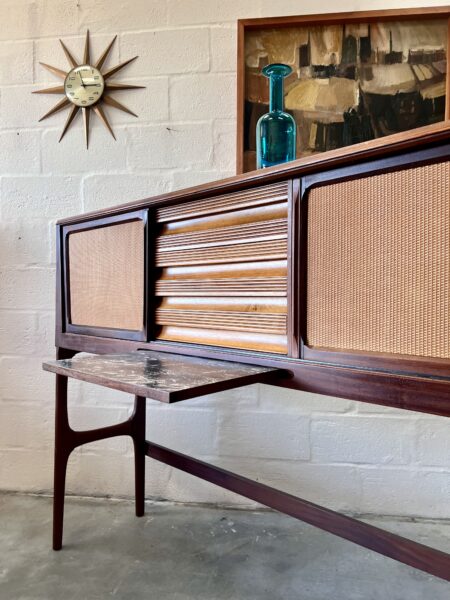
[(329, 274), (336, 269)]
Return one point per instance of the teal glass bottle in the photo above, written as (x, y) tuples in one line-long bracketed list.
[(276, 130)]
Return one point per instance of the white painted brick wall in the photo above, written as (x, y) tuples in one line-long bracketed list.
[(432, 443), (38, 197), (346, 455), (244, 433), (207, 96), (168, 145), (168, 51), (17, 62), (20, 151), (100, 191), (362, 440)]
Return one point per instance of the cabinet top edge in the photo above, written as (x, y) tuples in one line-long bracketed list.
[(414, 139)]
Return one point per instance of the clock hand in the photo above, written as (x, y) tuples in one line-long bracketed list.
[(82, 82)]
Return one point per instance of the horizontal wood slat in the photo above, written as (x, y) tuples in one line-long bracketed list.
[(223, 270), (276, 286), (234, 321), (246, 233), (234, 218), (263, 240), (264, 342), (266, 250), (208, 206), (262, 270), (229, 304)]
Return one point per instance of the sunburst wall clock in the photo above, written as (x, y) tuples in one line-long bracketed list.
[(86, 87)]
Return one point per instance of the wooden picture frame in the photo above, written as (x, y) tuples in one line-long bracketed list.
[(245, 159)]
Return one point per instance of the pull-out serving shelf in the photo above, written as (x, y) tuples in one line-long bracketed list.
[(161, 376)]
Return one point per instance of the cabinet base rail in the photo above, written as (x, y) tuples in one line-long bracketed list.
[(414, 554)]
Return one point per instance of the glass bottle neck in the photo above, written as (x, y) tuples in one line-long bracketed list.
[(276, 93)]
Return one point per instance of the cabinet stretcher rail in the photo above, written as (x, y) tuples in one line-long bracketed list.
[(384, 542)]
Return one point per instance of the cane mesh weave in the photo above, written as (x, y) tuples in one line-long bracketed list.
[(379, 263), (106, 273)]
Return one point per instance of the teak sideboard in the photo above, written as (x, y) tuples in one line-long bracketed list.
[(330, 274)]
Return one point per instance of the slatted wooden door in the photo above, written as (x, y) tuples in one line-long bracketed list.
[(221, 274)]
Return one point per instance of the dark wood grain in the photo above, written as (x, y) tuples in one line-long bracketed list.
[(60, 291), (293, 291), (380, 361), (301, 273), (447, 88), (240, 94), (67, 439), (411, 553), (395, 389), (395, 14)]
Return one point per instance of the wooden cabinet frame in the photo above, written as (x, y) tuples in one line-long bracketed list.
[(410, 383)]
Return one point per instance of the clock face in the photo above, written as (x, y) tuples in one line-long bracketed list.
[(84, 85)]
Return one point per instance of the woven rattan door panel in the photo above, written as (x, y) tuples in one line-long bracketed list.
[(106, 277), (378, 263), (222, 270)]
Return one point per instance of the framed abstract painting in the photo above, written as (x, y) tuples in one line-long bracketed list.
[(355, 76)]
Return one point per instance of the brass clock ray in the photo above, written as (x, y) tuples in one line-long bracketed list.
[(104, 97)]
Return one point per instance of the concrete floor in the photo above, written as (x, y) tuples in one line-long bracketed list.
[(201, 553)]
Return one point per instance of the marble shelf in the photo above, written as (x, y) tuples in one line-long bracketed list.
[(160, 375)]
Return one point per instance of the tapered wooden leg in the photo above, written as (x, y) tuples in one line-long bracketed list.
[(62, 453), (58, 499), (66, 440), (139, 453)]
